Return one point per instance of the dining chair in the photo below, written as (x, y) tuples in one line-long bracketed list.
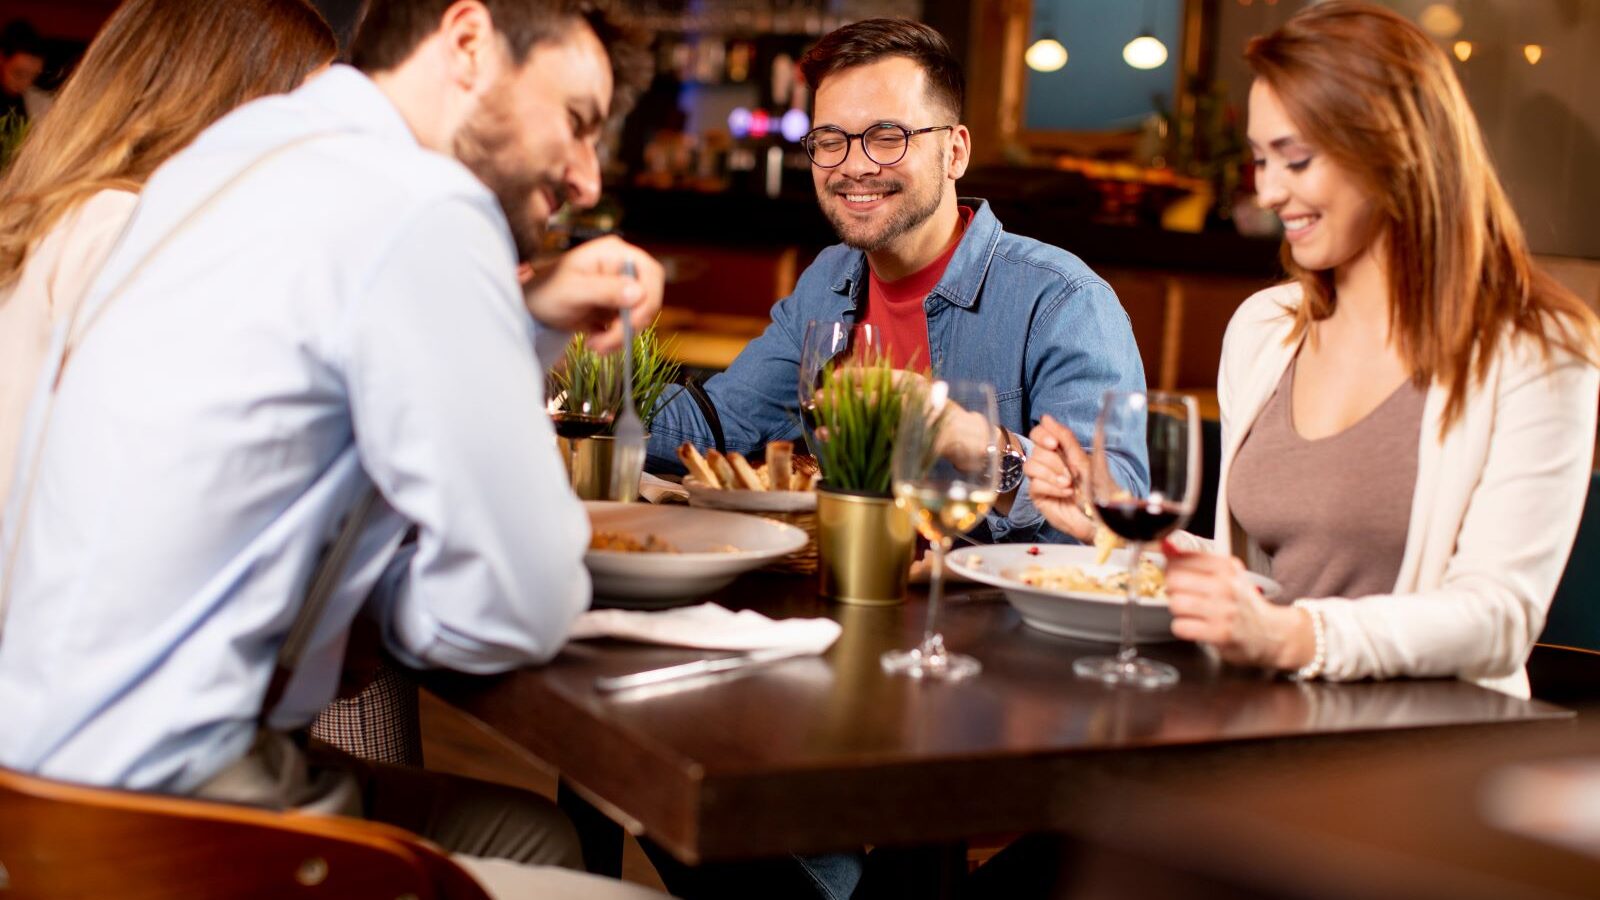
[(66, 840), (1565, 665), (1574, 619), (1204, 520)]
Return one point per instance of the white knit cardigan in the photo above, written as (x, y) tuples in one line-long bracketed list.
[(1493, 517)]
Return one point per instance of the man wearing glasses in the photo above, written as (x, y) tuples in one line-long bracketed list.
[(947, 286)]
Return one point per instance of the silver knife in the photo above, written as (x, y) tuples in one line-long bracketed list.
[(612, 683)]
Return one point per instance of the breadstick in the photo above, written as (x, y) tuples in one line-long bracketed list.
[(697, 465), (780, 463), (719, 465), (747, 477)]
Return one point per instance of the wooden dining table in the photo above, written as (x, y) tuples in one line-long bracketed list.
[(829, 752)]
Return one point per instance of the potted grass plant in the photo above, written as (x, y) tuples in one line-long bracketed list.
[(864, 541), (586, 392)]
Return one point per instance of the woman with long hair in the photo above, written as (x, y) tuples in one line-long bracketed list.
[(1409, 424), (157, 75)]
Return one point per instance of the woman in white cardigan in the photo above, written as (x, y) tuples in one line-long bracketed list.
[(158, 74), (1443, 389)]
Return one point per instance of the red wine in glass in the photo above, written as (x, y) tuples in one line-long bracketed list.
[(1142, 522), (574, 426)]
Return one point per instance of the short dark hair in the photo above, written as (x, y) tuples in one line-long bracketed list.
[(19, 36), (871, 40), (390, 31)]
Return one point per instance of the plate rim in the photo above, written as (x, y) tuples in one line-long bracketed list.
[(795, 535), (1271, 589), (995, 579)]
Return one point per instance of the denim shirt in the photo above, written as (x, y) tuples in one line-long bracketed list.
[(1031, 319)]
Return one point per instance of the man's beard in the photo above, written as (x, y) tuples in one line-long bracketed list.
[(487, 145), (913, 209)]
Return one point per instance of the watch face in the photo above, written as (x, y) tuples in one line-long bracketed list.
[(1010, 470)]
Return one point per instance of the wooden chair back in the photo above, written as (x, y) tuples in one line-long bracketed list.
[(63, 840)]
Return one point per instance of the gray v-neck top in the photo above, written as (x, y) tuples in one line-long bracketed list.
[(1331, 513)]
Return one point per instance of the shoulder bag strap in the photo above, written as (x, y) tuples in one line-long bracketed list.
[(708, 410)]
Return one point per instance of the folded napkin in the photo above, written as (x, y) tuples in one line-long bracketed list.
[(659, 490), (708, 627)]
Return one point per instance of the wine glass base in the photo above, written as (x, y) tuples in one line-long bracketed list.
[(943, 666), (1137, 672)]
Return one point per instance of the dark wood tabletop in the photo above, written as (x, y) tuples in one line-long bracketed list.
[(828, 752), (1496, 817)]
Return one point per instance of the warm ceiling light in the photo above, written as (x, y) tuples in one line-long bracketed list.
[(1533, 53), (1462, 50), (1145, 52), (1046, 55), (1441, 20)]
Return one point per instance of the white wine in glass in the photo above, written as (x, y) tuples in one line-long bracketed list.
[(947, 485)]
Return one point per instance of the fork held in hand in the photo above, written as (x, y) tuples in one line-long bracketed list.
[(627, 453)]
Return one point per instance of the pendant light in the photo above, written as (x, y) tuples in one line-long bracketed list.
[(1046, 54), (1145, 51)]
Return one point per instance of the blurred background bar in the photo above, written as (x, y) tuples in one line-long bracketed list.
[(1114, 130)]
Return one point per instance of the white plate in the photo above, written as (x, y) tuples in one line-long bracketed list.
[(1088, 616), (700, 565)]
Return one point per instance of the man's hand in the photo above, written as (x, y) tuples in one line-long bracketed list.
[(1058, 478), (585, 291)]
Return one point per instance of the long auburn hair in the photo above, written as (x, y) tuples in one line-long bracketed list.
[(1371, 91), (158, 74)]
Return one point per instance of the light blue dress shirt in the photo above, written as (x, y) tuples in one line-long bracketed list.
[(347, 315)]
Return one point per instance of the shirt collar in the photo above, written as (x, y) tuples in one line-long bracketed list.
[(962, 278), (359, 102)]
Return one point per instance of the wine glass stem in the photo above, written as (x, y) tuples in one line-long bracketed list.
[(1127, 652), (932, 645)]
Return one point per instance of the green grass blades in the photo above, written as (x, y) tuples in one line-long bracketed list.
[(586, 381), (858, 417)]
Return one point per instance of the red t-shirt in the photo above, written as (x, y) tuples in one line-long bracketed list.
[(896, 307)]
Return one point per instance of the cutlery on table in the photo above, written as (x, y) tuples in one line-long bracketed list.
[(627, 454), (614, 683)]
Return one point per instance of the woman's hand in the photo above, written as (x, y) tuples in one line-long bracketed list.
[(1213, 603), (1055, 469)]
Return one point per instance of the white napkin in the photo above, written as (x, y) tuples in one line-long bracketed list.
[(708, 627), (659, 490)]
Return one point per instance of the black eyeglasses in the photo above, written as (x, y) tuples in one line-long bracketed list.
[(884, 143)]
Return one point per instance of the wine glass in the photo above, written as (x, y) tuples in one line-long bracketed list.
[(947, 486), (576, 420), (827, 343), (1167, 426)]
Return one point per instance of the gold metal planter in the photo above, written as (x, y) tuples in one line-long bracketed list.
[(864, 547), (589, 468)]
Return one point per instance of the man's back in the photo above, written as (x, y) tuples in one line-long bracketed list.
[(346, 308)]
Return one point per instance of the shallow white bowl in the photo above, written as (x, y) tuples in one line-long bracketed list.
[(1087, 616), (655, 579)]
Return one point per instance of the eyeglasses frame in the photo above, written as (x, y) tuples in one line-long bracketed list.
[(860, 138)]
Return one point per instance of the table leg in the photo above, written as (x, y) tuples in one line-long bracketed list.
[(601, 838)]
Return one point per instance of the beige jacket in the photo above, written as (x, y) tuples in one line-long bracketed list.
[(58, 272), (1493, 518)]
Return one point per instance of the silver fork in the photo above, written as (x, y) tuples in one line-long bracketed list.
[(627, 455)]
